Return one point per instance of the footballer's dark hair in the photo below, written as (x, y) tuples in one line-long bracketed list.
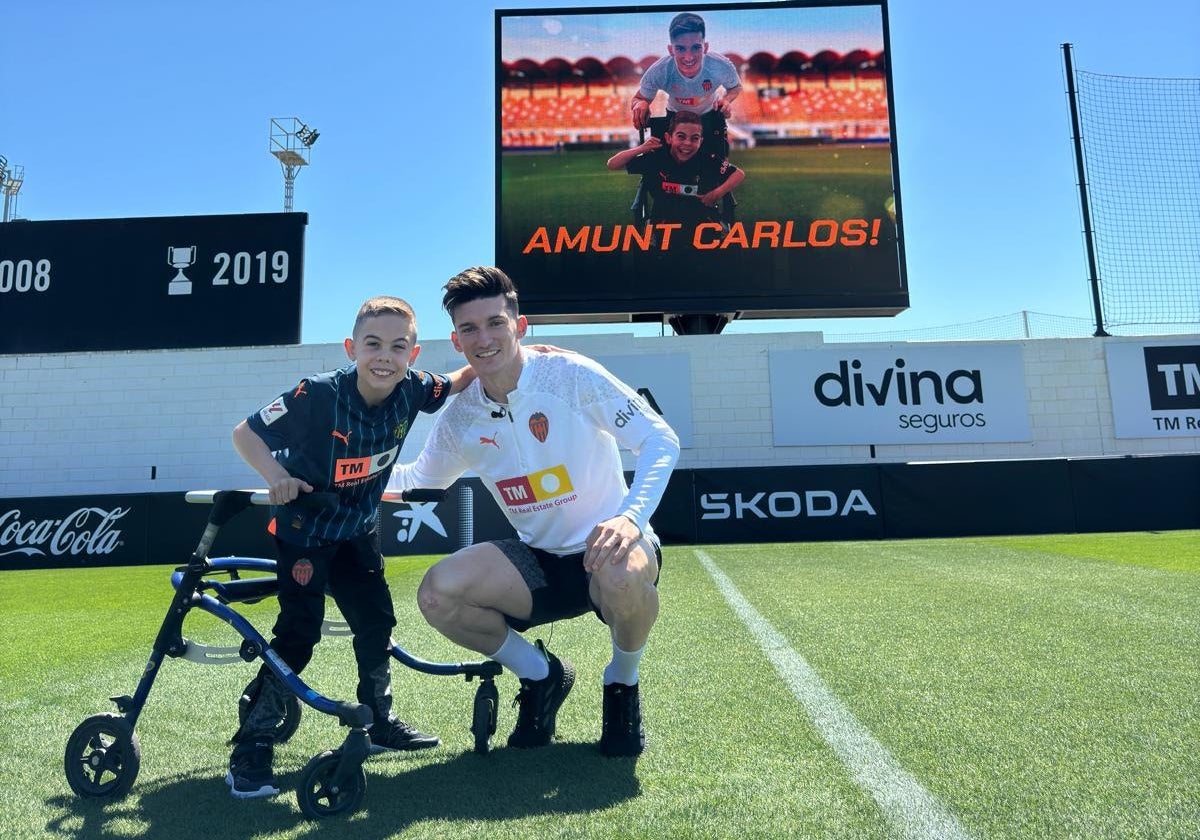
[(685, 23), (481, 281)]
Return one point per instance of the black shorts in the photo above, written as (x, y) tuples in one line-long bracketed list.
[(558, 584)]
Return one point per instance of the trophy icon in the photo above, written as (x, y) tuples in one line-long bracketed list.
[(179, 259)]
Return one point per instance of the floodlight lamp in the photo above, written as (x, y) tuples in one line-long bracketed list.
[(307, 135)]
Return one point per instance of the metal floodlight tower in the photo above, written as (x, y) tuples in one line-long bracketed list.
[(11, 179), (291, 141)]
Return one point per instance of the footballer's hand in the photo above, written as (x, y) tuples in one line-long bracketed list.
[(548, 348), (723, 106), (610, 542), (641, 114), (710, 199), (288, 489)]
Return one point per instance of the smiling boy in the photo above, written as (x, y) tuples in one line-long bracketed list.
[(686, 183), (337, 432)]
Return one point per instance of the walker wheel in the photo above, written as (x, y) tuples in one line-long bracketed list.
[(291, 719), (103, 757), (483, 717), (291, 711), (319, 796)]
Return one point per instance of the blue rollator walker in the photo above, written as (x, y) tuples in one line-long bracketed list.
[(103, 754)]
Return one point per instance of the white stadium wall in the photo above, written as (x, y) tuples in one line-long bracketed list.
[(153, 421)]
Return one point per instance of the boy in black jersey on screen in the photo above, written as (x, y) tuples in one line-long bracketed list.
[(686, 183)]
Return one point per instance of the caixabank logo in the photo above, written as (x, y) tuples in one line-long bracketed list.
[(1173, 377)]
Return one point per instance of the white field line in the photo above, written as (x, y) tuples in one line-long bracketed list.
[(904, 802)]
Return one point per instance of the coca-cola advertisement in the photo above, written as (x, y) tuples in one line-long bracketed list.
[(163, 528), (118, 530), (42, 533)]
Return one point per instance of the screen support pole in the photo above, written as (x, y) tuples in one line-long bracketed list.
[(701, 324)]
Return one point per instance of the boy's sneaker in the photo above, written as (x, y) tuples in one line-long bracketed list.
[(539, 701), (395, 735), (250, 774), (622, 732)]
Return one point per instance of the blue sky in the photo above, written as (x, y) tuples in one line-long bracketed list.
[(154, 107), (743, 31)]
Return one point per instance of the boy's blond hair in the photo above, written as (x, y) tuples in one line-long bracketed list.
[(385, 305)]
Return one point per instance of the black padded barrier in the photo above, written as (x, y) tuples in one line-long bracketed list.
[(735, 505)]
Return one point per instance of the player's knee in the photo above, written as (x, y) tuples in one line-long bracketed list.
[(427, 599), (437, 596), (622, 588)]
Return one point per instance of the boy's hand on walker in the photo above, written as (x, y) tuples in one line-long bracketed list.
[(288, 489)]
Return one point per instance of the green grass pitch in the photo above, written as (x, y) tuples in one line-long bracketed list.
[(1031, 687)]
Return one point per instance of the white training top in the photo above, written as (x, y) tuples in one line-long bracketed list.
[(695, 94), (550, 456)]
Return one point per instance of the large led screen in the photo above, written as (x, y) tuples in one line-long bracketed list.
[(620, 195)]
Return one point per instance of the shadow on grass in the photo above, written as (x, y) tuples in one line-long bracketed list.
[(507, 784)]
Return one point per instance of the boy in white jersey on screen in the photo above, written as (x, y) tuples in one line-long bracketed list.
[(695, 81), (693, 78), (542, 432)]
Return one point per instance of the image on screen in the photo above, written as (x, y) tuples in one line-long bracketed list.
[(645, 167)]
